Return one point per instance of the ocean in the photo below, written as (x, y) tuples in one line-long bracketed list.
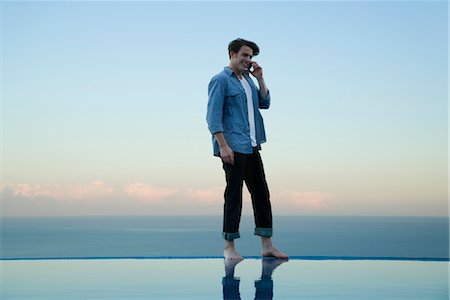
[(132, 236)]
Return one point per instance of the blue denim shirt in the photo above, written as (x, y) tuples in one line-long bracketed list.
[(228, 112)]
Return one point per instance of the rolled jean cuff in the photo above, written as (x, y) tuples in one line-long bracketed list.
[(229, 236), (230, 281), (263, 231)]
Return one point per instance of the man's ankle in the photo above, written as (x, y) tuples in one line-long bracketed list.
[(266, 242), (229, 244)]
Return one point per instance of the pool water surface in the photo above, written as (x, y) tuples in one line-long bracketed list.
[(215, 279)]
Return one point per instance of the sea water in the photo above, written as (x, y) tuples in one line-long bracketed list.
[(128, 236)]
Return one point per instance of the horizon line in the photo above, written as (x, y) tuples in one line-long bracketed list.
[(429, 259), (220, 215)]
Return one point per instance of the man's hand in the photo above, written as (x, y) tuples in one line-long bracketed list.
[(257, 70), (227, 154), (258, 73)]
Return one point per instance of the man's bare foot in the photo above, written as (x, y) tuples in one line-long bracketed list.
[(231, 253), (268, 250), (271, 251)]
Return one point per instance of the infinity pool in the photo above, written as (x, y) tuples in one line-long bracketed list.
[(213, 279)]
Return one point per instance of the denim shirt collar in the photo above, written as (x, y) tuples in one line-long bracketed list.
[(230, 72)]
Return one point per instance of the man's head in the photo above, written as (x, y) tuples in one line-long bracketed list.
[(235, 45), (241, 52)]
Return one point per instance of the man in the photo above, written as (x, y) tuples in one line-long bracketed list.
[(237, 130)]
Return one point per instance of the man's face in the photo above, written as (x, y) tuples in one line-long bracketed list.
[(241, 60)]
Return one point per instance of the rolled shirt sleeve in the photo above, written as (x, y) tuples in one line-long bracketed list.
[(216, 100), (264, 103)]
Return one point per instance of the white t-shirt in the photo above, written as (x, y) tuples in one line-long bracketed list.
[(251, 115)]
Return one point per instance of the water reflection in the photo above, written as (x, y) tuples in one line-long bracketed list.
[(263, 285)]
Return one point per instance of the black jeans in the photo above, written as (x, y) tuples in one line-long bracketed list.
[(248, 168)]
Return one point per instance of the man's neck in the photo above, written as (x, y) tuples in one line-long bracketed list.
[(238, 73)]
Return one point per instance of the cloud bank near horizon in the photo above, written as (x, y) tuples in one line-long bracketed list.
[(139, 198), (100, 198)]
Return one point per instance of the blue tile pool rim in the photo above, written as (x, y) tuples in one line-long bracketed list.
[(221, 257)]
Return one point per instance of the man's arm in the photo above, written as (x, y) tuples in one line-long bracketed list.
[(263, 97), (262, 87)]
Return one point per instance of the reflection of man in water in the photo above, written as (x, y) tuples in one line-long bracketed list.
[(237, 132), (263, 286), (230, 284)]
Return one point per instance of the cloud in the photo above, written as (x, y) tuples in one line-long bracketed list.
[(94, 189), (87, 191), (210, 195), (146, 192)]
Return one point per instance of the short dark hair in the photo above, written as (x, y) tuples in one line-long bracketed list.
[(235, 45)]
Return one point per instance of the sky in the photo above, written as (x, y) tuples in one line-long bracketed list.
[(104, 106)]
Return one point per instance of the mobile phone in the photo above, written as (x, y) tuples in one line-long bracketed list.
[(250, 67)]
